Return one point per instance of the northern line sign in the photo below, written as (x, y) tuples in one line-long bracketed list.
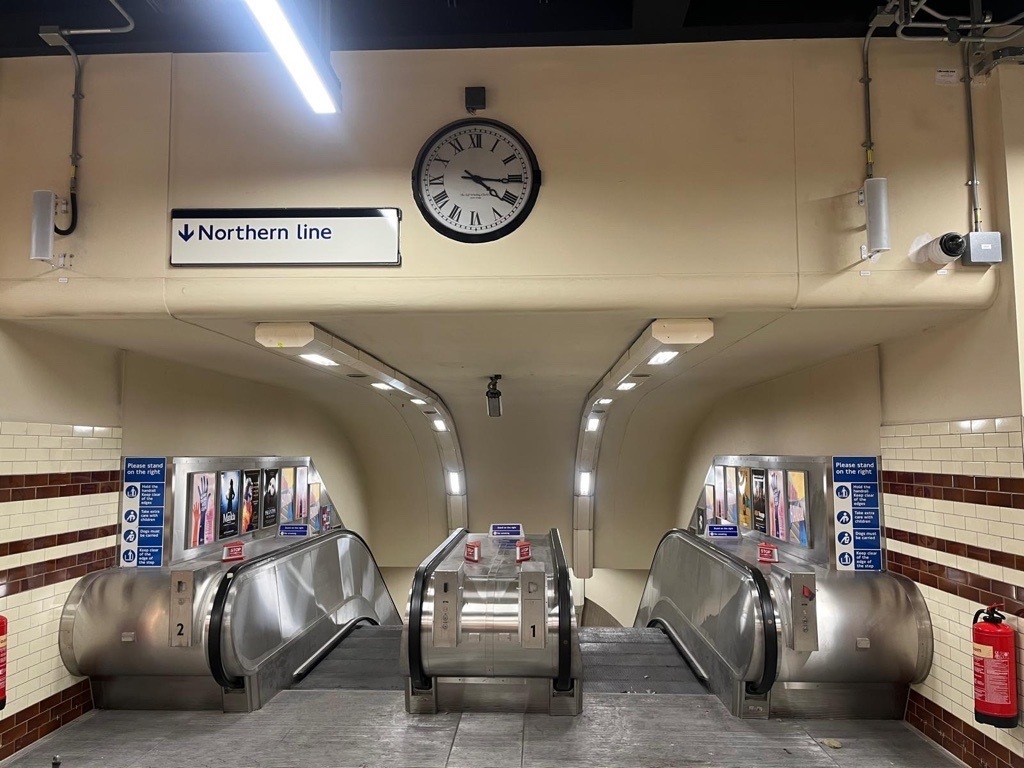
[(292, 237)]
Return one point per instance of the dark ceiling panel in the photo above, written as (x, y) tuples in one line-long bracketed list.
[(225, 25)]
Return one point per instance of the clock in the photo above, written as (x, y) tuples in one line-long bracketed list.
[(475, 180)]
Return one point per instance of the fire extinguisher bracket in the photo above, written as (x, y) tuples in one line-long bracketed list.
[(995, 669)]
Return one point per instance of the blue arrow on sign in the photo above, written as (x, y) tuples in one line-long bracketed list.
[(187, 233)]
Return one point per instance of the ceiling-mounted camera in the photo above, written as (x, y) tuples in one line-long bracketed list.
[(493, 395)]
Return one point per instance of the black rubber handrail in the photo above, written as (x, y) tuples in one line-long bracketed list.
[(563, 682), (765, 603), (220, 600), (420, 681)]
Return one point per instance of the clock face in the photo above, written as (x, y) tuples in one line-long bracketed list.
[(475, 180)]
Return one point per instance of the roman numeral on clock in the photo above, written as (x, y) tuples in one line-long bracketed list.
[(509, 159), (439, 180), (496, 214), (509, 198), (475, 140), (441, 198), (474, 218), (456, 213), (456, 145), (513, 178)]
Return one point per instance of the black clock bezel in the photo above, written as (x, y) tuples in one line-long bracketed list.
[(467, 237)]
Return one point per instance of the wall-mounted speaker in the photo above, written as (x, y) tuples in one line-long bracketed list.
[(876, 208), (43, 204)]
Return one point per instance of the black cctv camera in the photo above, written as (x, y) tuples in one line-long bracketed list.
[(493, 395)]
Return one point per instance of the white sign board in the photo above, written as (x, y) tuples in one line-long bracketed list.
[(293, 237)]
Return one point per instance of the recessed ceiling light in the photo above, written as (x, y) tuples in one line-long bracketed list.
[(663, 357), (440, 426), (381, 385), (584, 483), (593, 424), (455, 483), (317, 359), (604, 401), (418, 401), (626, 386)]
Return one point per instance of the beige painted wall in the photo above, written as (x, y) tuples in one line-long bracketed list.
[(52, 379), (834, 408), (176, 410)]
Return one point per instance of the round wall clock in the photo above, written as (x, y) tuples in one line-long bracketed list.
[(475, 180)]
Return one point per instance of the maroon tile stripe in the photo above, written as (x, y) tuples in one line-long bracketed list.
[(972, 489), (55, 484), (994, 556), (970, 586), (29, 725), (55, 540), (962, 739), (48, 572)]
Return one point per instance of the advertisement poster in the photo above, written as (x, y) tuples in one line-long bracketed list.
[(776, 503), (314, 507), (326, 523), (730, 495), (286, 495), (202, 486), (271, 481), (250, 500), (743, 492), (719, 508), (301, 493), (757, 482), (230, 502), (798, 508)]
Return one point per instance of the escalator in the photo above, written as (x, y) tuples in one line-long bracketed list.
[(634, 660)]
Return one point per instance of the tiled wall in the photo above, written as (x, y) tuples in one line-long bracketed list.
[(954, 507), (59, 492)]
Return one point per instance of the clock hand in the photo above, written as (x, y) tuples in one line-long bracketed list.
[(479, 180), (487, 178)]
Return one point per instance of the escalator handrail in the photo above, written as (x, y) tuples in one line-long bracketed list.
[(419, 678), (220, 600), (563, 682), (765, 603)]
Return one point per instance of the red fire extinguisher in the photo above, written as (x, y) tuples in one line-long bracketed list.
[(3, 662), (995, 669)]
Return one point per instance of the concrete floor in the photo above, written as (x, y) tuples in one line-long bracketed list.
[(350, 729)]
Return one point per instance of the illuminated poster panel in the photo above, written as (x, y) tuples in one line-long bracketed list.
[(777, 503), (202, 486), (314, 507), (251, 495), (757, 484), (286, 495), (798, 508), (731, 513), (271, 483), (230, 501), (743, 493), (301, 493), (719, 509)]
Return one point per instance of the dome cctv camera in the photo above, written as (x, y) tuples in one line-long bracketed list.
[(493, 395)]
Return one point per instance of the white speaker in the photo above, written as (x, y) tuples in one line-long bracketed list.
[(876, 208), (43, 202)]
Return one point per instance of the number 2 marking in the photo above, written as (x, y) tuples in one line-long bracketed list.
[(181, 630)]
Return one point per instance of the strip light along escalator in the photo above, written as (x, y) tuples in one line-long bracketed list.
[(563, 682)]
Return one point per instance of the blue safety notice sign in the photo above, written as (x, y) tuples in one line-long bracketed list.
[(142, 512), (507, 530), (293, 529), (856, 500), (722, 531)]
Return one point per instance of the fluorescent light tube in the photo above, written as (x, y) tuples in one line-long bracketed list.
[(319, 89), (593, 424), (317, 359), (454, 483), (584, 483), (663, 357), (440, 426), (605, 401), (418, 401), (381, 385), (626, 386)]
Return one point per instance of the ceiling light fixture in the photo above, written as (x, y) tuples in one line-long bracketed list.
[(454, 484), (585, 483), (381, 386), (418, 401), (309, 68), (605, 401), (440, 426), (318, 359), (626, 386), (664, 357), (593, 424)]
